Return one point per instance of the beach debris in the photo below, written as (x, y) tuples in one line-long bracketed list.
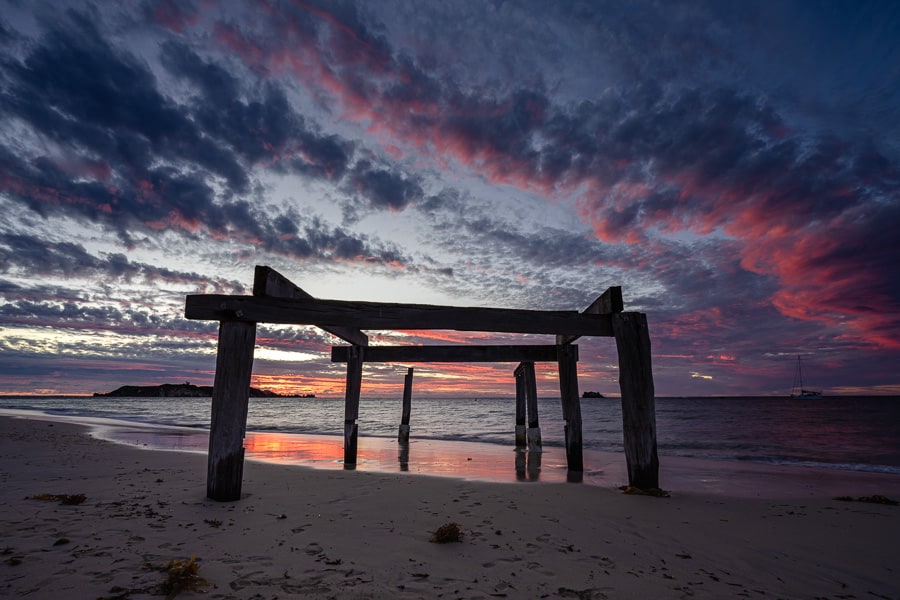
[(447, 533), (876, 499), (67, 499), (182, 575), (213, 522), (636, 491)]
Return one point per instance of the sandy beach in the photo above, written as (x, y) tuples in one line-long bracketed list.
[(311, 533)]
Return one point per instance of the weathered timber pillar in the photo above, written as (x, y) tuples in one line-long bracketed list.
[(230, 397), (567, 358), (525, 373), (403, 435), (534, 427), (521, 435), (351, 403), (638, 403)]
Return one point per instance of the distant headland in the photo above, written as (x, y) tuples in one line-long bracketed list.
[(184, 390), (592, 395)]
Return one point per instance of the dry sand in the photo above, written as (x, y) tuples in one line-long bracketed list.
[(305, 533)]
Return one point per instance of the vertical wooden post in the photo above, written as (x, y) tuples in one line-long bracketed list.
[(230, 397), (567, 358), (520, 408), (638, 402), (526, 379), (403, 435), (351, 403), (534, 428)]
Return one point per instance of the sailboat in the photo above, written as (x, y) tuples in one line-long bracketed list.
[(798, 391)]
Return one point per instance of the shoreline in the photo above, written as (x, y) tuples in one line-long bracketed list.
[(482, 461), (354, 534)]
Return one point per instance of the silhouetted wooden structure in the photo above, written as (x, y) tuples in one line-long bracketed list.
[(276, 300)]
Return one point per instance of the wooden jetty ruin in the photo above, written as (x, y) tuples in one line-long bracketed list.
[(275, 299)]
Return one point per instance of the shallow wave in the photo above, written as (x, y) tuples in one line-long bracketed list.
[(817, 464)]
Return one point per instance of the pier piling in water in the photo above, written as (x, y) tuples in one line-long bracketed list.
[(521, 399), (351, 404), (403, 435), (526, 384)]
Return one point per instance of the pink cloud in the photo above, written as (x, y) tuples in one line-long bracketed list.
[(169, 14), (763, 211)]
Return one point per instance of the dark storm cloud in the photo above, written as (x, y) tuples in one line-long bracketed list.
[(338, 243), (28, 255), (261, 130), (71, 308), (58, 314), (102, 93), (379, 187), (103, 106)]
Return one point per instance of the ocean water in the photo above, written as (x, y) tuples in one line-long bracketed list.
[(841, 433)]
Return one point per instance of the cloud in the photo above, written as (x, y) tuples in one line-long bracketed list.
[(537, 152), (176, 15), (144, 163), (372, 187), (264, 131)]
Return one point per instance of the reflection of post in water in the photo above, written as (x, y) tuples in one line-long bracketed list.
[(528, 465), (534, 464), (403, 457)]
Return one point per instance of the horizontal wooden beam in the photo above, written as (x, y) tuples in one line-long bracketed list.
[(607, 303), (390, 316), (426, 354), (269, 282)]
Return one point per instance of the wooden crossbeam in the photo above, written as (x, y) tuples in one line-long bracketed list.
[(391, 316), (424, 354)]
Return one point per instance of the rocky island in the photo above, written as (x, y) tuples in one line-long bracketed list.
[(183, 390)]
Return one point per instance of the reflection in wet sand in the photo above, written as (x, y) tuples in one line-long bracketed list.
[(528, 464), (465, 460)]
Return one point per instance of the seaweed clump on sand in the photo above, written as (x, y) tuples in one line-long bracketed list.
[(182, 575), (68, 499), (445, 534)]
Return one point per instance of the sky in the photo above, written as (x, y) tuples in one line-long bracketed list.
[(732, 165)]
